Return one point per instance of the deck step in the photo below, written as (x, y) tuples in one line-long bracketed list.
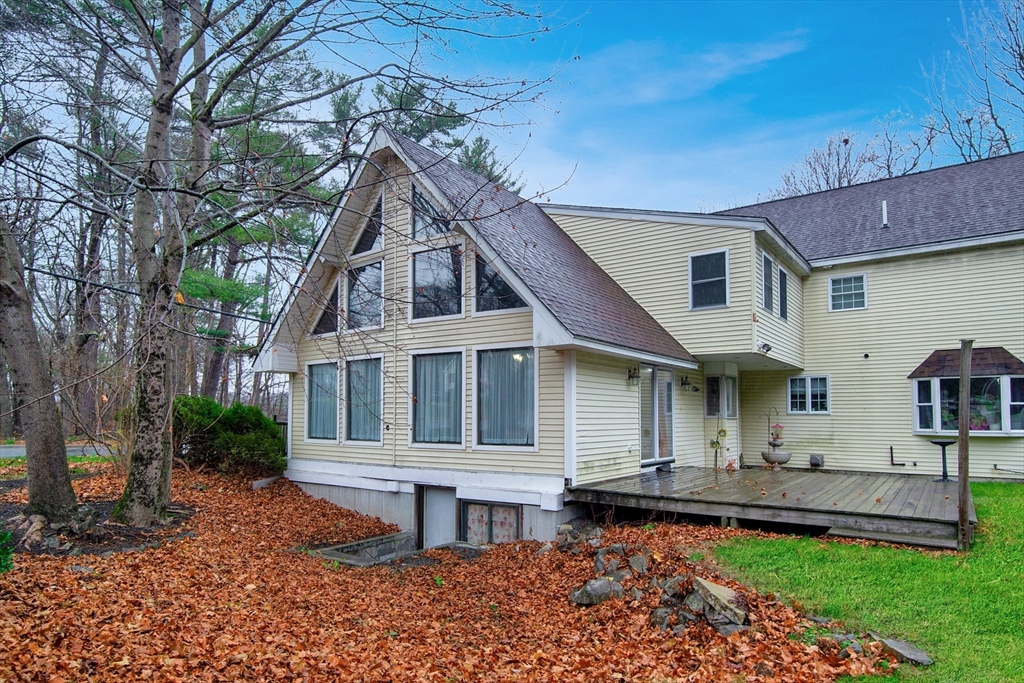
[(894, 537)]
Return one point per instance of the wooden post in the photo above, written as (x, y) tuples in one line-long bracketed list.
[(962, 449)]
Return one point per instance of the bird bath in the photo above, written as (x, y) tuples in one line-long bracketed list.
[(775, 457)]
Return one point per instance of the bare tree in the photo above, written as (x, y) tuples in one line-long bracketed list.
[(841, 162)]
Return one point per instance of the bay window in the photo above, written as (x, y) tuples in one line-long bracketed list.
[(505, 397), (996, 404), (721, 397)]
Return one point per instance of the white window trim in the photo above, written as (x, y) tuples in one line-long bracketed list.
[(1004, 412), (305, 406), (504, 311), (344, 398), (365, 222), (722, 412), (766, 259), (784, 272), (728, 280), (461, 445), (379, 258), (656, 412), (841, 277), (477, 446), (445, 242), (334, 281), (807, 384)]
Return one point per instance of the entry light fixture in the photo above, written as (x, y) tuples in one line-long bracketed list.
[(634, 375), (764, 347), (686, 385)]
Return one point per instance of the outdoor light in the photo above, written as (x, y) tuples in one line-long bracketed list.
[(686, 385), (634, 375)]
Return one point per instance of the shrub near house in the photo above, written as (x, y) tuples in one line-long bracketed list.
[(239, 438)]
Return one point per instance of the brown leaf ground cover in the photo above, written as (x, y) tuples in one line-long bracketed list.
[(233, 603)]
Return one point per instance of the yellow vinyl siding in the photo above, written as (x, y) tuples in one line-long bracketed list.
[(607, 419), (784, 336), (914, 306), (689, 420), (651, 262), (400, 337)]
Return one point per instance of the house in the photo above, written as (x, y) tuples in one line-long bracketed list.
[(461, 358)]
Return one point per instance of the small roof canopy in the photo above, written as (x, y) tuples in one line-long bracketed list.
[(987, 361)]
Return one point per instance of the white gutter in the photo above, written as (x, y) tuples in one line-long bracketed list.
[(935, 247)]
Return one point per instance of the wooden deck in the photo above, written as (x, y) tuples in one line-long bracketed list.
[(911, 509)]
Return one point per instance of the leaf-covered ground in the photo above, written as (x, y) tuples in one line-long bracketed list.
[(233, 603)]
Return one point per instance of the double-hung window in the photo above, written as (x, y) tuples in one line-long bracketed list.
[(721, 397), (437, 413), (847, 292), (809, 395), (322, 401), (709, 280), (505, 397), (365, 297), (996, 404), (437, 282), (364, 391), (767, 274)]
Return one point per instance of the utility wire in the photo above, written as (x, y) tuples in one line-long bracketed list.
[(130, 292)]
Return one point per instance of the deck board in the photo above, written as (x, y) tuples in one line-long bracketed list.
[(912, 505)]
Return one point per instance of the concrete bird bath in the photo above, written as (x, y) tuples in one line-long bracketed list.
[(775, 457)]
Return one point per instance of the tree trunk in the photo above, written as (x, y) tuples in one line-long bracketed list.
[(49, 482), (221, 336), (6, 400)]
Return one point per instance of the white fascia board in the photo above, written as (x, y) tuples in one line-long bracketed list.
[(339, 473), (375, 144), (933, 248), (580, 344), (276, 358)]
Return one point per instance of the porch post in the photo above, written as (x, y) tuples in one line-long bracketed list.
[(963, 469)]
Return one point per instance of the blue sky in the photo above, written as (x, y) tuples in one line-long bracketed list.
[(698, 106)]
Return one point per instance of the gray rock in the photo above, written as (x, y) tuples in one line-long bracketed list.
[(600, 565), (730, 628), (565, 529), (620, 575), (636, 593), (819, 620), (673, 587), (716, 618), (654, 583), (107, 555), (545, 549), (904, 651), (75, 552), (617, 590), (576, 551), (681, 628), (639, 564), (660, 617), (850, 649), (843, 638), (613, 564), (81, 568), (596, 591), (596, 532), (617, 548), (51, 542), (594, 542), (187, 534), (694, 603), (720, 597), (688, 616)]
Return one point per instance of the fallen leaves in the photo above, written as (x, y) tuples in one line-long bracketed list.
[(233, 603)]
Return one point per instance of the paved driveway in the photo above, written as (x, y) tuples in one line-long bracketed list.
[(19, 451)]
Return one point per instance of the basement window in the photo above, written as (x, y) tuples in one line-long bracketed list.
[(484, 523)]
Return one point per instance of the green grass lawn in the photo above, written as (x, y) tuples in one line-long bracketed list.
[(965, 610), (12, 465)]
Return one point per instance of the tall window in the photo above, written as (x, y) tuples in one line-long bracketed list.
[(437, 282), (322, 401), (846, 292), (783, 294), (505, 409), (721, 397), (427, 221), (365, 297), (372, 238), (767, 273), (808, 395), (328, 322), (492, 292), (437, 398), (364, 384), (709, 280)]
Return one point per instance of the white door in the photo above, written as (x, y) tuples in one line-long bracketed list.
[(439, 516)]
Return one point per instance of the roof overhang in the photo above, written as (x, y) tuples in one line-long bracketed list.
[(985, 362), (930, 248)]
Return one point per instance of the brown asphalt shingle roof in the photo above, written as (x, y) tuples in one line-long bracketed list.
[(987, 361), (976, 199), (582, 296)]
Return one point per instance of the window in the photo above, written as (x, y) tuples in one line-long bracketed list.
[(1016, 403), (489, 523), (492, 292), (925, 405), (808, 395), (372, 238), (722, 397), (997, 404), (709, 280), (437, 282), (364, 384), (365, 297), (846, 293), (767, 273), (328, 322), (322, 401), (783, 295), (505, 412), (437, 398), (426, 219)]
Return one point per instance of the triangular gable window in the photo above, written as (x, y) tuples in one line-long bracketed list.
[(372, 238), (328, 322), (427, 221), (492, 292)]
